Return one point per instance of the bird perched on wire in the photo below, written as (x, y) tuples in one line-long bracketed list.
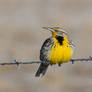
[(55, 50)]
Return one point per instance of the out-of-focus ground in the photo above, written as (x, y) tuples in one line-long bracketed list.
[(21, 37)]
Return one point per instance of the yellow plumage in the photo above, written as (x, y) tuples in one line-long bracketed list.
[(60, 53), (55, 50)]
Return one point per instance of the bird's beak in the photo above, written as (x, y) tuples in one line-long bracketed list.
[(48, 28)]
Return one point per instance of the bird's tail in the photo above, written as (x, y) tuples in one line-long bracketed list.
[(41, 70)]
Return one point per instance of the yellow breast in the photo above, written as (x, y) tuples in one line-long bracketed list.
[(60, 53)]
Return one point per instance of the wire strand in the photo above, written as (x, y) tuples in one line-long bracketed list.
[(16, 62)]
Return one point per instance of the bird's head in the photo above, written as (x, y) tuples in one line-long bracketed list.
[(56, 31)]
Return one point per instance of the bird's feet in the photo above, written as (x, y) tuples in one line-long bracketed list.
[(59, 64)]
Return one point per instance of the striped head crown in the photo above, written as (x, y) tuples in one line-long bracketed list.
[(56, 31)]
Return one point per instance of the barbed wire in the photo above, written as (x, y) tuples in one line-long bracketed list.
[(81, 59), (18, 63)]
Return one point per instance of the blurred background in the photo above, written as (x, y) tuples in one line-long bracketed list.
[(21, 37)]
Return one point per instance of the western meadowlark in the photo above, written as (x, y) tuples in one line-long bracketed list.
[(56, 50)]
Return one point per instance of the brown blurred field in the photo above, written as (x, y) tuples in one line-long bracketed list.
[(21, 37)]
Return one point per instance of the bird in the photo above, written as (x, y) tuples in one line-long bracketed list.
[(56, 49)]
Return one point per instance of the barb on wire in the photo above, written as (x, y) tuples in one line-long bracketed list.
[(81, 59), (18, 63)]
